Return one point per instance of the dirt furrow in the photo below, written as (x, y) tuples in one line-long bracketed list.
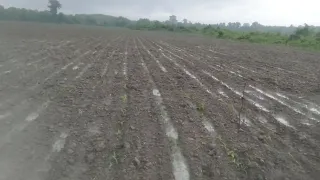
[(86, 102), (288, 142), (149, 155), (15, 48), (33, 56), (240, 82), (269, 74), (258, 154), (205, 160), (92, 114), (42, 123), (35, 84), (307, 141), (236, 74), (21, 105), (302, 118), (23, 80)]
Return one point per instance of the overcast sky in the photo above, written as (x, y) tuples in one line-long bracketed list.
[(268, 12)]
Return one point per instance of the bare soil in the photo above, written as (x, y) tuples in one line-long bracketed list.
[(79, 102)]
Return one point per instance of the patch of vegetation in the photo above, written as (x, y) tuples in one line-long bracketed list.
[(124, 98), (115, 157), (303, 36), (201, 107), (233, 157), (53, 16)]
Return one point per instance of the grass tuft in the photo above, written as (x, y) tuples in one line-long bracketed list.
[(201, 107), (124, 98)]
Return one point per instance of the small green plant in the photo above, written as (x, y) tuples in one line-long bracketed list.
[(114, 157), (124, 98), (201, 107), (118, 132), (232, 155), (187, 95)]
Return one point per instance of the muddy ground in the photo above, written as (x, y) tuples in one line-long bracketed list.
[(80, 103)]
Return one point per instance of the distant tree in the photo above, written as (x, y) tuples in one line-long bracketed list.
[(318, 36), (185, 21), (63, 19), (53, 6), (246, 25), (255, 24), (143, 24), (304, 31), (292, 37), (122, 21), (220, 34), (90, 21), (208, 29), (1, 10), (198, 25), (158, 25), (237, 25), (234, 25), (222, 25), (74, 20)]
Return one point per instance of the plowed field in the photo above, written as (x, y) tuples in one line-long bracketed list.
[(90, 103)]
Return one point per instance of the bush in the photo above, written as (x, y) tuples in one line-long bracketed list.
[(318, 36), (244, 37), (220, 34)]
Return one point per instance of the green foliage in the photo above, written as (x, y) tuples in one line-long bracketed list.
[(124, 98), (53, 6), (21, 14), (318, 36), (220, 34), (305, 31), (90, 21), (244, 37), (201, 107), (13, 13), (304, 36)]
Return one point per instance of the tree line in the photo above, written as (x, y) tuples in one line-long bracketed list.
[(305, 36), (52, 16), (172, 24)]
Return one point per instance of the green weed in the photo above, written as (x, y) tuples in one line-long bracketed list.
[(124, 98), (201, 107), (114, 157), (233, 157)]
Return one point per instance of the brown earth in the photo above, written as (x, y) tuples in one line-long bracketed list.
[(79, 102)]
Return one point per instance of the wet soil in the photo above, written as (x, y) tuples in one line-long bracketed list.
[(79, 102)]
